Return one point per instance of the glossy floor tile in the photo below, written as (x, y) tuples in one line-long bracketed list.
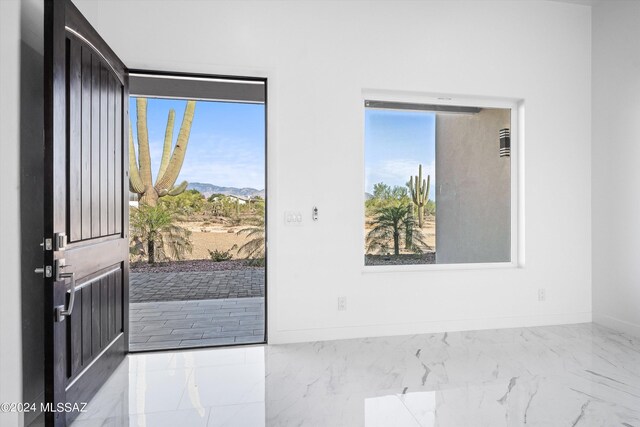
[(574, 375)]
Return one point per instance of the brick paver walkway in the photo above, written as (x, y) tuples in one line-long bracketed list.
[(196, 285), (175, 324)]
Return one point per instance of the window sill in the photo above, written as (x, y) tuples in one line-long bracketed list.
[(369, 269)]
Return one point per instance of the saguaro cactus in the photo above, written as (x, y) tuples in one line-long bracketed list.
[(419, 189), (140, 179)]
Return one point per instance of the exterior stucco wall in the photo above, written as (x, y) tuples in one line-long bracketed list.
[(472, 188)]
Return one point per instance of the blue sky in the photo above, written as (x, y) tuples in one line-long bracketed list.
[(396, 142), (226, 146)]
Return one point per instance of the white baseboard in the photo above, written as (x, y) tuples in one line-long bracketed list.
[(369, 331), (617, 324)]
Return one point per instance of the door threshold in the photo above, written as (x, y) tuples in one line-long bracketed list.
[(212, 347)]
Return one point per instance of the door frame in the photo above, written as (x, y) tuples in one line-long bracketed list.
[(265, 81)]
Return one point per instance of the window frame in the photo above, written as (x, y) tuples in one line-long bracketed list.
[(516, 106)]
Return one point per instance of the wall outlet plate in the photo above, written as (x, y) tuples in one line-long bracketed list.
[(542, 295), (342, 303), (292, 218)]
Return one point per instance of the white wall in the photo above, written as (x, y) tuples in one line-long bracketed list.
[(319, 56), (10, 314), (615, 165)]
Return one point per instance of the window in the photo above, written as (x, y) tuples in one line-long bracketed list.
[(438, 186)]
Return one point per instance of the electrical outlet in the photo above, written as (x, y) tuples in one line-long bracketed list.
[(342, 303), (542, 295)]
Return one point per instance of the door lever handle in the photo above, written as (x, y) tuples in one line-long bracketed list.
[(61, 312)]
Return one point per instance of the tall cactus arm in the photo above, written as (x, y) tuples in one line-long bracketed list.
[(168, 142), (412, 190), (143, 142), (420, 190), (135, 183), (416, 191), (177, 158), (428, 186), (179, 189), (175, 190)]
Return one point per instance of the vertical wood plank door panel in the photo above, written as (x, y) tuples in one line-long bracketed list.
[(74, 332), (95, 146), (87, 320), (86, 172), (111, 150), (96, 319), (104, 312), (74, 135), (119, 168), (95, 168), (86, 209), (104, 151)]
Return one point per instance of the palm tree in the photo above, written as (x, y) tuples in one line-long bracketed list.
[(254, 248), (154, 234), (390, 224)]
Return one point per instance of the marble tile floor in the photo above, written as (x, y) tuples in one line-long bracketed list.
[(569, 375)]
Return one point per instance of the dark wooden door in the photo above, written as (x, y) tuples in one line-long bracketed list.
[(86, 209)]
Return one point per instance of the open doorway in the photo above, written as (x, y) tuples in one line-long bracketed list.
[(197, 211)]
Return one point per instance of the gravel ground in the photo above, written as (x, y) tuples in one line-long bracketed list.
[(191, 265), (403, 259)]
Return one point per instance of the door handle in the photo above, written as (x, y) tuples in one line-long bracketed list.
[(61, 312)]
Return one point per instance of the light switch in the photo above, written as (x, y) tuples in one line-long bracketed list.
[(293, 218)]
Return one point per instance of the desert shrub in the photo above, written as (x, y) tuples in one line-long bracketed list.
[(218, 256), (385, 196), (235, 220), (229, 206), (187, 203), (430, 208), (223, 205)]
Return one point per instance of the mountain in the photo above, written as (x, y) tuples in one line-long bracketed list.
[(209, 189), (368, 196)]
